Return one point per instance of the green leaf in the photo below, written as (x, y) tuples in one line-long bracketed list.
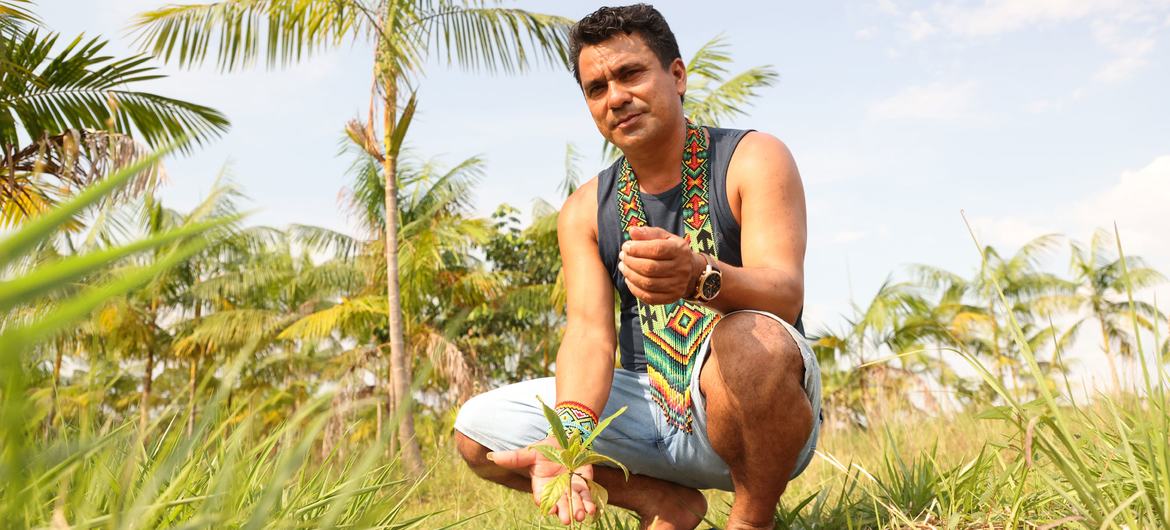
[(42, 227), (601, 426), (551, 453), (57, 275), (399, 134), (599, 493), (597, 458), (553, 491), (554, 422)]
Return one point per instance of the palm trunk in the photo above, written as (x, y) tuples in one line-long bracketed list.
[(1109, 357), (147, 377), (56, 381), (399, 364), (191, 396), (191, 377)]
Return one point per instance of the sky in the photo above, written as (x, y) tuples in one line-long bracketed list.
[(1026, 116)]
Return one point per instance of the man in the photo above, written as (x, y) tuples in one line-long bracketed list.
[(701, 231)]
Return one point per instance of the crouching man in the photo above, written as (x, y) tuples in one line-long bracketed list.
[(701, 231)]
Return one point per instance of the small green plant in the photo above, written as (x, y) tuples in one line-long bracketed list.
[(573, 454)]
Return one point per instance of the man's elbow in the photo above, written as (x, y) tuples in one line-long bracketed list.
[(789, 300)]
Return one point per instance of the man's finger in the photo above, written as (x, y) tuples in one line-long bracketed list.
[(562, 509), (653, 249), (518, 459), (648, 297), (642, 233), (653, 268), (651, 285)]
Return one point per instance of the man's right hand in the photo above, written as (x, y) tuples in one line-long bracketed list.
[(543, 471)]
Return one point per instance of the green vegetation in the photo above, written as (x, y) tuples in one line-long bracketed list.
[(161, 368)]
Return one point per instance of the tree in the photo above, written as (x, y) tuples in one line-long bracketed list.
[(1101, 295), (69, 116), (467, 33)]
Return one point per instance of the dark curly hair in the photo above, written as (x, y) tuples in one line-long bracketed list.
[(643, 19)]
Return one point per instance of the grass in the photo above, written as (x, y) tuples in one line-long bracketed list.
[(1046, 463)]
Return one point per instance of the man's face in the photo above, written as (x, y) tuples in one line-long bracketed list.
[(632, 98)]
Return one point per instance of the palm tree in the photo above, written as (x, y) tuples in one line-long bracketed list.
[(1032, 296), (1101, 283), (468, 33), (137, 323), (68, 115)]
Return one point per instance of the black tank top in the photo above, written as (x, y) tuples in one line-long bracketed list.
[(662, 210)]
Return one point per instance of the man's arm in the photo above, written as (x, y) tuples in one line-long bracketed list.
[(767, 199), (585, 361)]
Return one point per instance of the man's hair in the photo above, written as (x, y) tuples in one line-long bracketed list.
[(606, 22)]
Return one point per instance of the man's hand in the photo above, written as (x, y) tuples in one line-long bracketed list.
[(543, 471), (659, 266)]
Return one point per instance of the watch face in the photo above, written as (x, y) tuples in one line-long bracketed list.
[(711, 286)]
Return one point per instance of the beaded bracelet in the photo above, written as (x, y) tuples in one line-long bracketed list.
[(578, 417)]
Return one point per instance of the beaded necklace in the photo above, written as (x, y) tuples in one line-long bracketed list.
[(672, 333)]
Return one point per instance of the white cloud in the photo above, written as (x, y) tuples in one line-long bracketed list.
[(888, 7), (918, 27), (865, 33), (1130, 50), (1139, 202), (1001, 16), (1051, 104), (936, 101), (1128, 30), (1009, 232)]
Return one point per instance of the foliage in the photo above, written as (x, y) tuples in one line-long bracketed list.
[(68, 116), (573, 454)]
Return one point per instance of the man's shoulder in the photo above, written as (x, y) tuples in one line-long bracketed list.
[(759, 154), (580, 207)]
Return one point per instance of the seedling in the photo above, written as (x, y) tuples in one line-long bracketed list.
[(574, 454)]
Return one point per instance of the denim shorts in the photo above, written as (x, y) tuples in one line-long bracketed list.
[(510, 417)]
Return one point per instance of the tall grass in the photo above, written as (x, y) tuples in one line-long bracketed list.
[(91, 469)]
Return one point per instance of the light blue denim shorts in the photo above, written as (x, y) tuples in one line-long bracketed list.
[(510, 417)]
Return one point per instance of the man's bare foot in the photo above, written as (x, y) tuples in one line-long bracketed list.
[(675, 508)]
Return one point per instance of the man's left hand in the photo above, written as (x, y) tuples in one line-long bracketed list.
[(659, 266)]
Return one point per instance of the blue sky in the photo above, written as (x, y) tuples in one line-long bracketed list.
[(1032, 116)]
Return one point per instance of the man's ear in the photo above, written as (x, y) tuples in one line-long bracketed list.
[(679, 71)]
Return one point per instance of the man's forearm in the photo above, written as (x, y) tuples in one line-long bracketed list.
[(764, 289), (585, 364)]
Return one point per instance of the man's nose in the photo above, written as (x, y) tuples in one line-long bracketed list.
[(618, 96)]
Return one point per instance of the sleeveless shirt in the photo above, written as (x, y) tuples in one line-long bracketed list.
[(662, 210)]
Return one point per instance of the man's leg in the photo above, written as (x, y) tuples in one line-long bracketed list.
[(758, 415), (675, 506)]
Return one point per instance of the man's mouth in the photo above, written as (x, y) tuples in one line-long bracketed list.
[(627, 120)]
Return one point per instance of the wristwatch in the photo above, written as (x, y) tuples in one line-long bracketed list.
[(710, 280)]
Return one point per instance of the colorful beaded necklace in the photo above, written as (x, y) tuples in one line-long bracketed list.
[(672, 333)]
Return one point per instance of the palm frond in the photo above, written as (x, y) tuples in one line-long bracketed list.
[(494, 39), (238, 33), (81, 89), (342, 316), (729, 99), (710, 60)]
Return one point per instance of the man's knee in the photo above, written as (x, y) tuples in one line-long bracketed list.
[(754, 347), (470, 415), (473, 452)]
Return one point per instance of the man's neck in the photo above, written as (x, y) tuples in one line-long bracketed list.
[(658, 164)]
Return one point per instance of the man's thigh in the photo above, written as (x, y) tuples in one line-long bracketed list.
[(510, 417), (697, 449)]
